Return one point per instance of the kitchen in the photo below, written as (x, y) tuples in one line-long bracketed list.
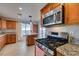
[(54, 32)]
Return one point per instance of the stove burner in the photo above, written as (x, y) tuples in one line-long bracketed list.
[(56, 44)]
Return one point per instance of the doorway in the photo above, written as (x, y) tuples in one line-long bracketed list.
[(26, 29)]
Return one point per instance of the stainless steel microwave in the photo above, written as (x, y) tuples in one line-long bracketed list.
[(56, 16)]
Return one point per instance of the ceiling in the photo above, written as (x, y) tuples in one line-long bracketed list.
[(10, 10)]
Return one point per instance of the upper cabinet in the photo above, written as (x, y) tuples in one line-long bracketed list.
[(49, 7), (3, 24), (11, 24), (70, 12), (7, 24), (35, 28), (0, 23)]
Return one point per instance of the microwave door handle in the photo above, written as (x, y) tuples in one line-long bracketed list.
[(55, 18), (61, 15)]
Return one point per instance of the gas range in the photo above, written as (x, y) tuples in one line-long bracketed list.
[(53, 41), (49, 46)]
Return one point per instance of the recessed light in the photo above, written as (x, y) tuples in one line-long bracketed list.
[(20, 8)]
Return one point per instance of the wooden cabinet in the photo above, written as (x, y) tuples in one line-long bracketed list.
[(49, 7), (39, 52), (35, 28), (11, 38), (0, 23), (30, 40), (72, 13), (2, 41), (14, 24), (59, 54), (3, 24), (11, 24)]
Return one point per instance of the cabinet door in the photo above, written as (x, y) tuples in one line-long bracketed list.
[(39, 52), (11, 24), (13, 37), (8, 23), (2, 41), (54, 5), (14, 25), (8, 38), (0, 23), (3, 24), (35, 28), (72, 13)]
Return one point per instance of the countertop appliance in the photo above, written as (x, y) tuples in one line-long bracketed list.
[(56, 16), (49, 44)]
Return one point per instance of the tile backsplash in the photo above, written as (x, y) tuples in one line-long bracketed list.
[(71, 29)]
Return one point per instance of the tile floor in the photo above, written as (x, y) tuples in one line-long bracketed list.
[(17, 49)]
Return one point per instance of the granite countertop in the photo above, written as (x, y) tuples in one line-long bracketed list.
[(69, 50), (10, 32), (2, 34), (33, 34)]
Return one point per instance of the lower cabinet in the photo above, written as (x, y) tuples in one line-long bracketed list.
[(30, 40), (2, 41), (11, 38), (38, 51)]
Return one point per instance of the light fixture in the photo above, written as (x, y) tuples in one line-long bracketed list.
[(30, 18), (19, 14), (19, 11), (20, 8)]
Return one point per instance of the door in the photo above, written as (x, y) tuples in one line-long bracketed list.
[(39, 52), (0, 23), (3, 24), (72, 13)]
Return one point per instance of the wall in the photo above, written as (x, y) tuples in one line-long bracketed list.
[(72, 29), (18, 30)]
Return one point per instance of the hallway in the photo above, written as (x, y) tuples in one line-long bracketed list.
[(17, 49)]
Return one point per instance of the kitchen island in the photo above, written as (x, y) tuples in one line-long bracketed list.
[(30, 40), (68, 50)]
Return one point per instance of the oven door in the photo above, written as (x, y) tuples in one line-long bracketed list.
[(47, 54)]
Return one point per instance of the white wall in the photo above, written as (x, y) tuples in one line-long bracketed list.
[(18, 30)]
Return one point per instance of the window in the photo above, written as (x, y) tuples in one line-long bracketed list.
[(26, 28)]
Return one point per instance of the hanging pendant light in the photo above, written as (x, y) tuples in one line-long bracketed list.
[(30, 19), (31, 24)]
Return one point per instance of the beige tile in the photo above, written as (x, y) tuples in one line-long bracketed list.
[(17, 49)]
